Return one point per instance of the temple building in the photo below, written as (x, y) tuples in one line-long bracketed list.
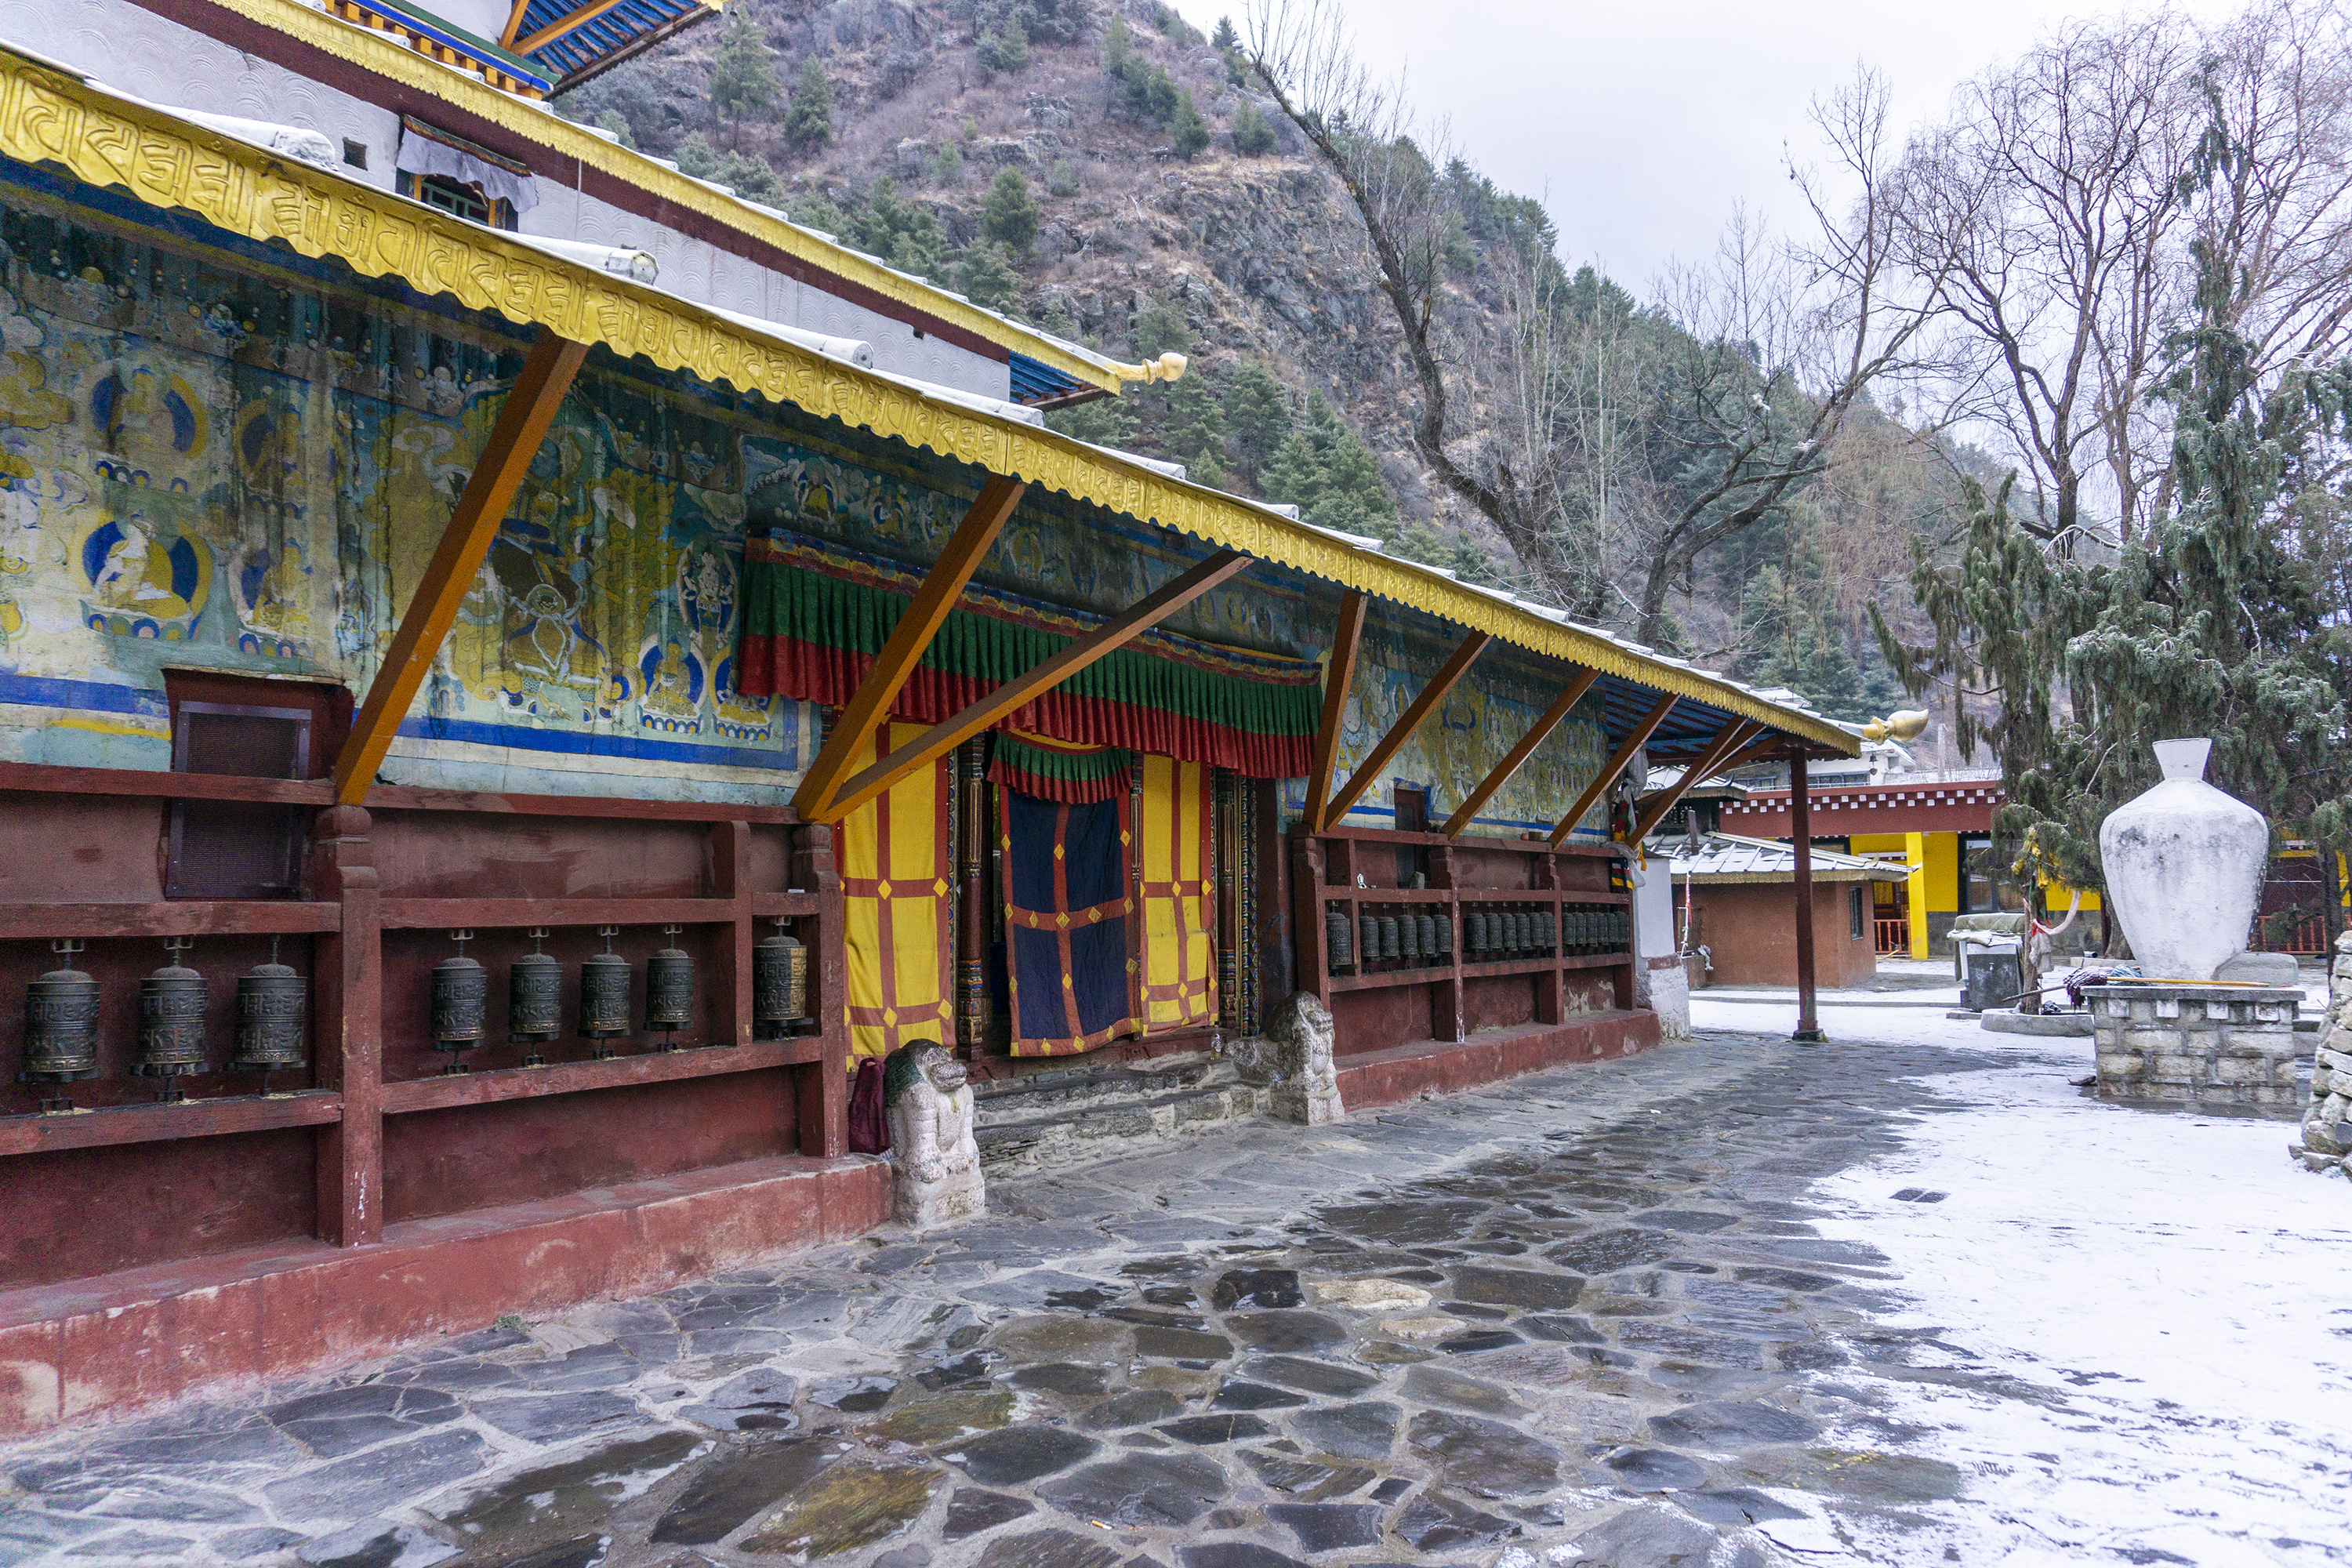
[(520, 671)]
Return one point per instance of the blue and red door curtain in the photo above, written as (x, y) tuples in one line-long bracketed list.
[(1068, 913)]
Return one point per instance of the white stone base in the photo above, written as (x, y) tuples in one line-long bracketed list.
[(1670, 999)]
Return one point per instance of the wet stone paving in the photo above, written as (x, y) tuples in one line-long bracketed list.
[(1579, 1317)]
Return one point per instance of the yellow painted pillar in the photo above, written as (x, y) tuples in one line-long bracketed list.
[(1915, 855)]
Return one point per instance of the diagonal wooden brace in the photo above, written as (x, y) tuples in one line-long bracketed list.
[(522, 423), (869, 708), (1606, 779), (1731, 738), (1570, 696), (1019, 692), (1336, 679), (1407, 723)]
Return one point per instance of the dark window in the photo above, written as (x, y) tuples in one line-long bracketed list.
[(246, 729), (355, 154), (1853, 903), (1977, 890), (465, 201)]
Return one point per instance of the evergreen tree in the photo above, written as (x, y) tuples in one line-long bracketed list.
[(1118, 47), (743, 76), (1226, 39), (613, 120), (1191, 136), (816, 211), (1257, 414), (1159, 326), (1006, 51), (1325, 470), (809, 121), (1104, 422), (1010, 216), (945, 167), (1063, 179), (902, 234), (1195, 424), (2206, 625), (987, 275), (1253, 132), (693, 156), (753, 177)]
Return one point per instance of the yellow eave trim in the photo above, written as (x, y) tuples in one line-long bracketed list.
[(48, 117), (547, 128)]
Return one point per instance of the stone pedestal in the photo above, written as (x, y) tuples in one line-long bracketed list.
[(1293, 1058), (2203, 1048), (2326, 1144)]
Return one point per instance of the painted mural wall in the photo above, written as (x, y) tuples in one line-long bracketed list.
[(228, 459)]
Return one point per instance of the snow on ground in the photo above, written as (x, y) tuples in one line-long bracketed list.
[(2170, 1294)]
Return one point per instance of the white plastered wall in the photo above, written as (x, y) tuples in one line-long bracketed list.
[(135, 51), (1654, 937)]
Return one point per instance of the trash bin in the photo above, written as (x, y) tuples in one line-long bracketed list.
[(1993, 980)]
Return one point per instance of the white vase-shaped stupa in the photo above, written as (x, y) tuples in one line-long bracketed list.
[(2184, 865)]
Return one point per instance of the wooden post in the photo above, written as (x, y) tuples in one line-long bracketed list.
[(1800, 839), (1306, 914), (1025, 689), (731, 877), (869, 707), (1336, 679), (822, 1087), (347, 1029), (1570, 696), (972, 899), (1407, 723), (522, 425), (1447, 1020), (1915, 891), (1627, 748)]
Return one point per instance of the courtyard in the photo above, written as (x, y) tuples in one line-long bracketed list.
[(1909, 1297)]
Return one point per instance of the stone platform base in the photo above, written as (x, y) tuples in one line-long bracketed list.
[(2002, 1021), (2217, 1048), (1096, 1111), (1372, 1078), (208, 1324)]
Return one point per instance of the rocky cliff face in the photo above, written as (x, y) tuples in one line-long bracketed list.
[(1262, 255)]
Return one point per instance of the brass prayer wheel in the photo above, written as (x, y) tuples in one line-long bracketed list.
[(778, 983), (1367, 939), (669, 990), (1547, 932), (270, 1000), (534, 998), (1409, 938), (1446, 935), (171, 1020), (1478, 931), (60, 1025), (1427, 936), (461, 1001), (1339, 940), (605, 995), (1389, 945)]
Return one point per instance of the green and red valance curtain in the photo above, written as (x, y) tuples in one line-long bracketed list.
[(815, 616)]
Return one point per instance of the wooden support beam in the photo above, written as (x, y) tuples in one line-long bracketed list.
[(1570, 696), (1606, 779), (562, 25), (1727, 741), (1755, 751), (869, 709), (1407, 723), (514, 24), (1801, 841), (1025, 690), (1336, 679), (522, 423)]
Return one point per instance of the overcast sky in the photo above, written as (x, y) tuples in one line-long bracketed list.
[(1641, 124)]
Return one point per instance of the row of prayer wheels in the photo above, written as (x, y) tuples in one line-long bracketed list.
[(1411, 940), (61, 1011), (461, 989)]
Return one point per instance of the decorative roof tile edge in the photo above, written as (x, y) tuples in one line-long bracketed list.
[(540, 122), (50, 116)]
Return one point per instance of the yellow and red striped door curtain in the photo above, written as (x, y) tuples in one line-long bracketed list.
[(1180, 899), (896, 868)]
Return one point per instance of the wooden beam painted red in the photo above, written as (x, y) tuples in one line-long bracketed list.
[(1603, 781), (1337, 679)]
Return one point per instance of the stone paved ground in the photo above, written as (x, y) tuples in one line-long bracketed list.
[(1583, 1316)]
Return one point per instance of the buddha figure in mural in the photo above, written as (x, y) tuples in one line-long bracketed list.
[(934, 1158)]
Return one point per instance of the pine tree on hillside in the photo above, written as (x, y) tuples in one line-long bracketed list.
[(809, 121), (694, 157), (613, 120), (743, 76), (753, 177), (906, 235), (1010, 216), (1006, 51), (1257, 414), (1327, 471), (1190, 135), (1253, 132), (987, 277), (1106, 422)]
